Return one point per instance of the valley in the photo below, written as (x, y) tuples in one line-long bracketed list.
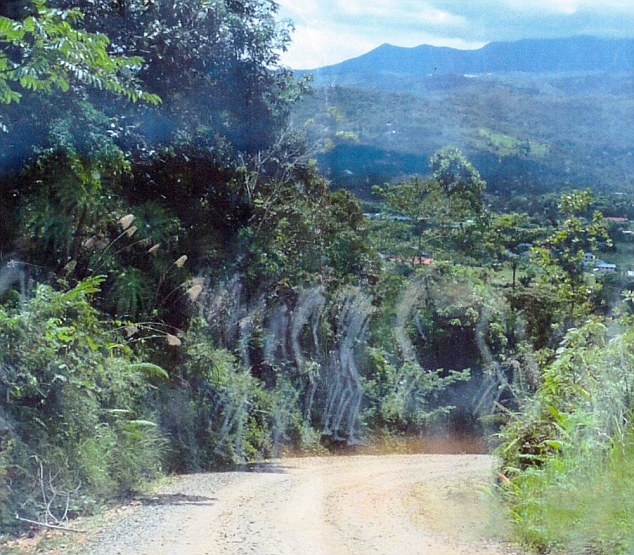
[(526, 131)]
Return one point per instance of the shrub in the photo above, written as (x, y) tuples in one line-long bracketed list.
[(568, 456), (219, 414), (74, 401)]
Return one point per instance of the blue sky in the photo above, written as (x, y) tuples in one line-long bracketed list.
[(329, 31)]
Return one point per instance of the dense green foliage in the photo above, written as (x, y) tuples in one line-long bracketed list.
[(180, 289), (46, 50), (569, 476), (555, 366), (525, 133), (75, 418)]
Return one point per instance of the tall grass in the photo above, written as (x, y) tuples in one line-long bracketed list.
[(578, 502), (568, 456)]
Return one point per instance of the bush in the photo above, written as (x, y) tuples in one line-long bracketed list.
[(580, 501), (568, 457), (74, 402), (219, 414)]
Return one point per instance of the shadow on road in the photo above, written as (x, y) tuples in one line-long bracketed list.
[(268, 467), (173, 499)]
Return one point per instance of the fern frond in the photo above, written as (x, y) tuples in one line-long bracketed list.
[(150, 370)]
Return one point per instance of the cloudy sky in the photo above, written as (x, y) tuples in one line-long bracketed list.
[(329, 31)]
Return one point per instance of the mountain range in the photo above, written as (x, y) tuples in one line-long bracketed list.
[(533, 115), (574, 54)]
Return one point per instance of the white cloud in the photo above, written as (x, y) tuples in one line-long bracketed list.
[(566, 7), (433, 16), (315, 45), (303, 10), (569, 7), (330, 31), (401, 11)]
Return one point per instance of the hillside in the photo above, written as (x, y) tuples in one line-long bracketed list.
[(553, 114)]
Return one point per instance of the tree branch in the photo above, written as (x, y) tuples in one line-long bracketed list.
[(53, 526)]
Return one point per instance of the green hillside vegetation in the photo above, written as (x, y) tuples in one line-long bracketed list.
[(182, 289), (536, 133), (505, 145)]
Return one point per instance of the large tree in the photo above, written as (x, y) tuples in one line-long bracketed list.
[(46, 49), (48, 62), (446, 208), (184, 168), (214, 64)]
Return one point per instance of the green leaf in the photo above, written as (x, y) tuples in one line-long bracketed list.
[(136, 424), (150, 370), (91, 343), (555, 444), (29, 24)]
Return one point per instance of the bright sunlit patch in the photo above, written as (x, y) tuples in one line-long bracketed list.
[(317, 46)]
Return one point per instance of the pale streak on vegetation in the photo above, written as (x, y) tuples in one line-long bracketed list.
[(415, 293)]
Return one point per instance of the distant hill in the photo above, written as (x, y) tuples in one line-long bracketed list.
[(531, 56), (532, 115)]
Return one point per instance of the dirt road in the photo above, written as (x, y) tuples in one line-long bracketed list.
[(383, 505)]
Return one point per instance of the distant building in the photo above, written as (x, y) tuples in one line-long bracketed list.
[(589, 260), (422, 260), (615, 220), (628, 234), (604, 267)]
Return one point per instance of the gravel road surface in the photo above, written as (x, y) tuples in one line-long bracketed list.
[(354, 505)]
